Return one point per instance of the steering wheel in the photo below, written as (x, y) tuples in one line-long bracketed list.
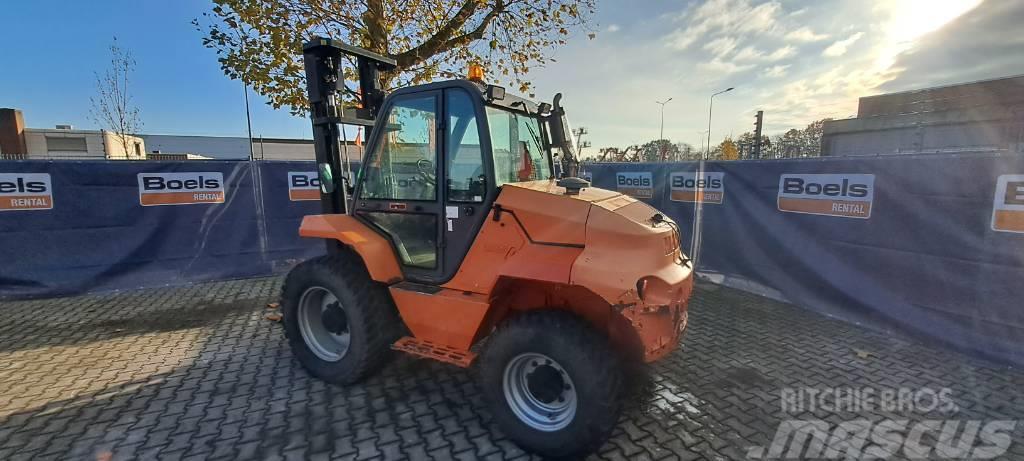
[(425, 168)]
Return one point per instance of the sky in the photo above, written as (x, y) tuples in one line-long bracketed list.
[(798, 61)]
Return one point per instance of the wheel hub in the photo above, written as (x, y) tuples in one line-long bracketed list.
[(334, 319), (324, 324), (539, 392), (545, 383)]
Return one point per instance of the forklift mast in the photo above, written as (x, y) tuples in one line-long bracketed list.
[(325, 87)]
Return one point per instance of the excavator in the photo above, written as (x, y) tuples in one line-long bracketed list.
[(458, 242)]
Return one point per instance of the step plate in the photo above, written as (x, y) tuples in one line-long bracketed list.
[(437, 352)]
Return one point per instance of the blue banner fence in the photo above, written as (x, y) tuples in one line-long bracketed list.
[(929, 250)]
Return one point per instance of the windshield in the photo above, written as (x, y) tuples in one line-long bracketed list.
[(516, 144)]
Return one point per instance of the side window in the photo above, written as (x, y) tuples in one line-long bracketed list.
[(517, 147), (404, 164), (466, 179)]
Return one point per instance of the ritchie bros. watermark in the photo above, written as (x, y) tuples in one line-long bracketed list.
[(926, 427)]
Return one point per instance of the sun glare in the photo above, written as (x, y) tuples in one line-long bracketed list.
[(911, 19)]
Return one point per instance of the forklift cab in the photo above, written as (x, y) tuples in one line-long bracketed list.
[(434, 164)]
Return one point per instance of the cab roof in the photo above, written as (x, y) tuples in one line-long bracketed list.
[(509, 102)]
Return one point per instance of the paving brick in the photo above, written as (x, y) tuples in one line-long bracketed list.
[(197, 373)]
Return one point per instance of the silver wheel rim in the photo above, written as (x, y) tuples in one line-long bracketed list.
[(319, 313), (534, 394)]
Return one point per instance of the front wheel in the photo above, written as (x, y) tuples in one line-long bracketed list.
[(552, 383), (339, 323)]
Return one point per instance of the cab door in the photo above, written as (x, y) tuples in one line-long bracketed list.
[(426, 184), (397, 192), (469, 179)]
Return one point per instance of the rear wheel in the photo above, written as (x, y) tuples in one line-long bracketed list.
[(339, 323), (552, 383)]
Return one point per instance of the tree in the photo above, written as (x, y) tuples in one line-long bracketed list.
[(686, 151), (727, 150), (798, 143), (811, 137), (112, 108), (260, 41), (651, 151), (658, 150), (745, 143)]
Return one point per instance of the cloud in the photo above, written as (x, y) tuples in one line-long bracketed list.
[(781, 53), (805, 34), (724, 16), (776, 71), (613, 28), (748, 54), (723, 67), (721, 46), (978, 45), (839, 48)]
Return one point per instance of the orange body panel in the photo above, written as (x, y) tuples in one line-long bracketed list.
[(448, 317), (618, 256), (515, 245), (590, 253), (375, 250), (532, 257), (558, 219)]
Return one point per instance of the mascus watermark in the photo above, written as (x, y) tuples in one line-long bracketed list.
[(934, 434)]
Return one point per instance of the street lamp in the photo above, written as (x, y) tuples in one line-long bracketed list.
[(661, 134), (707, 153)]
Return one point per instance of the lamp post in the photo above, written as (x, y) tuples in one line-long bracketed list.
[(248, 118), (661, 134), (707, 153)]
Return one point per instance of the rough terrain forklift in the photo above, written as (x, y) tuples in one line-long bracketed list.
[(456, 242)]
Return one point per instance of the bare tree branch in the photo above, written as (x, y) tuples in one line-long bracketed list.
[(112, 107)]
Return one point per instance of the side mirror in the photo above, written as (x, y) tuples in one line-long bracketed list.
[(558, 126), (561, 136), (326, 178)]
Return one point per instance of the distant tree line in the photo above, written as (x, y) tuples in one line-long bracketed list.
[(793, 143)]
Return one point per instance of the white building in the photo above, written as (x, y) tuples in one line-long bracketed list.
[(65, 143)]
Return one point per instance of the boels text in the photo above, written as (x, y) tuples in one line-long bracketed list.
[(708, 182), (637, 184), (1008, 204), (843, 189), (25, 191), (687, 186), (180, 188), (843, 195), (303, 185)]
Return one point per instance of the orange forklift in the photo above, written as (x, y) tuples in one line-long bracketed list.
[(457, 242)]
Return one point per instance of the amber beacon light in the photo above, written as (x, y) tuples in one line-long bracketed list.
[(475, 73)]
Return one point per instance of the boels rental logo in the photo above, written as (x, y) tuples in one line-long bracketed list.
[(687, 187), (844, 195), (636, 184), (303, 185), (180, 188), (1008, 206), (25, 191)]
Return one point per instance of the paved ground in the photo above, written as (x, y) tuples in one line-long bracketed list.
[(196, 372)]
